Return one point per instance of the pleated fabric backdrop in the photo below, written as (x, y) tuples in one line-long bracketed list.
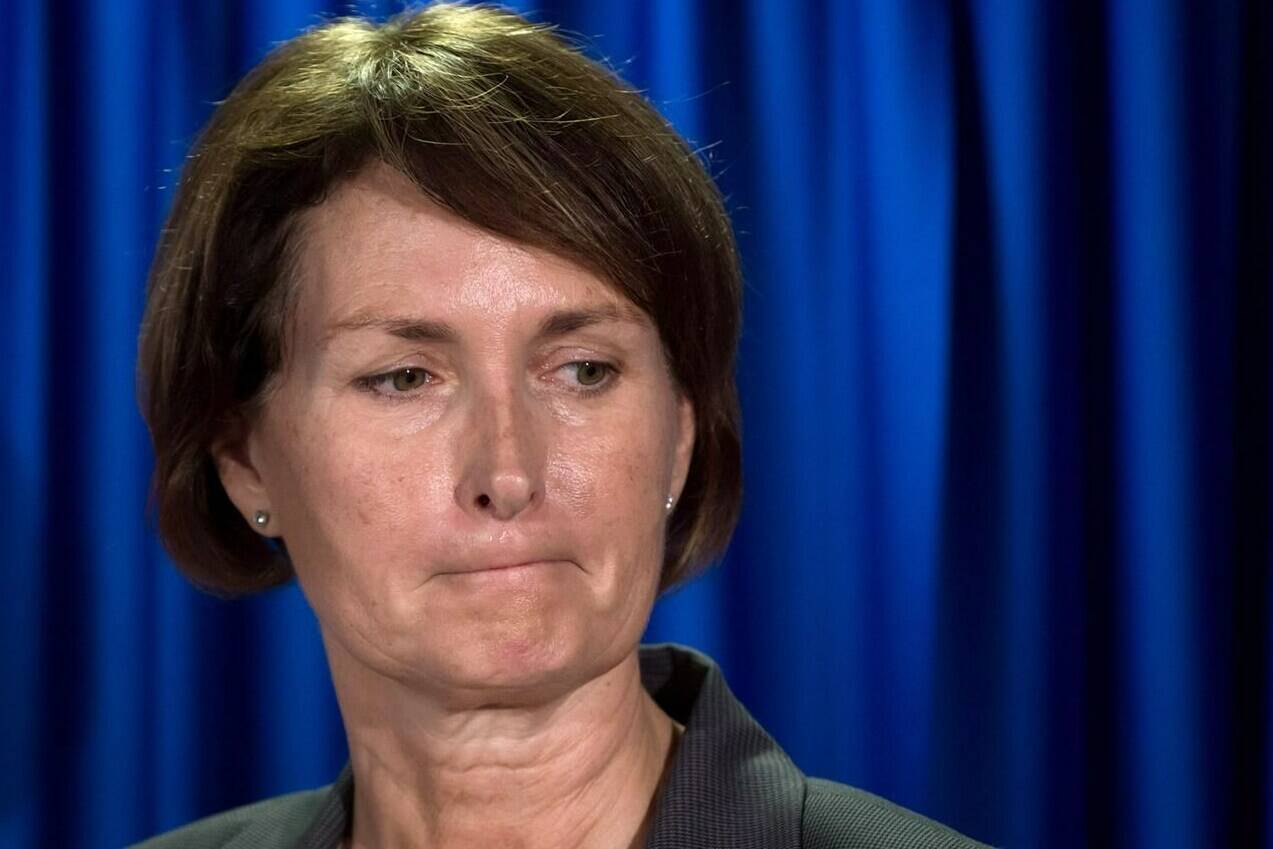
[(1005, 372)]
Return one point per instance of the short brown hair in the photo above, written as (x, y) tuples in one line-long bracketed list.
[(494, 118)]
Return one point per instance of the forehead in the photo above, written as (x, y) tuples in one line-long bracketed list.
[(378, 242)]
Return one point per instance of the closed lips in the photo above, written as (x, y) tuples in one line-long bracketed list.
[(499, 567)]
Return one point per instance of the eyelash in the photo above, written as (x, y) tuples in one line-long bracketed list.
[(371, 382)]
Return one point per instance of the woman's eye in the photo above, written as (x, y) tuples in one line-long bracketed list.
[(590, 373), (407, 379), (392, 384)]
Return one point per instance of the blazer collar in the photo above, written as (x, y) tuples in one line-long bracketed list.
[(730, 785)]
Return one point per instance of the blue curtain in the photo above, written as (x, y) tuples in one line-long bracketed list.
[(1006, 374)]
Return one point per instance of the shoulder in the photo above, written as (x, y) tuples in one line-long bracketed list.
[(277, 822), (837, 815)]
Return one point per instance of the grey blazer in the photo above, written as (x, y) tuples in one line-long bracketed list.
[(729, 787)]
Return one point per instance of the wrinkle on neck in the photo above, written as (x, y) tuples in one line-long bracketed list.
[(581, 770)]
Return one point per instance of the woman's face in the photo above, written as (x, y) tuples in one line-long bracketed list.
[(468, 451)]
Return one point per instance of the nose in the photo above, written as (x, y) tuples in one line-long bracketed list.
[(502, 472)]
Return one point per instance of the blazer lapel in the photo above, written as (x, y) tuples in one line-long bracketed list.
[(730, 786)]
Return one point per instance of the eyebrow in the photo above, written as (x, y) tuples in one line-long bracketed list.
[(567, 321), (414, 329)]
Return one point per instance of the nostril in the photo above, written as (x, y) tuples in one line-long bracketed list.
[(483, 501)]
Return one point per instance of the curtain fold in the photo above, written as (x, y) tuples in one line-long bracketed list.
[(1005, 372)]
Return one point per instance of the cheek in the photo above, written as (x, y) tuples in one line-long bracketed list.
[(609, 472), (574, 479), (354, 501), (610, 487)]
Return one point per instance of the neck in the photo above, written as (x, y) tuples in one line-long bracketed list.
[(578, 771)]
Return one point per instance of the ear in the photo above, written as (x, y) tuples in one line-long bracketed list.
[(235, 457), (686, 433)]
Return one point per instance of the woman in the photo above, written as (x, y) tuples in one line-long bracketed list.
[(443, 323)]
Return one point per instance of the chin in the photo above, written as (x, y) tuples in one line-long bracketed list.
[(514, 637), (520, 654), (509, 675)]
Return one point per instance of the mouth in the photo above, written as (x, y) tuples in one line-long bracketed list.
[(501, 567), (506, 566)]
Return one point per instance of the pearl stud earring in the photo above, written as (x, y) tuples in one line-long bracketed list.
[(261, 518), (670, 502)]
